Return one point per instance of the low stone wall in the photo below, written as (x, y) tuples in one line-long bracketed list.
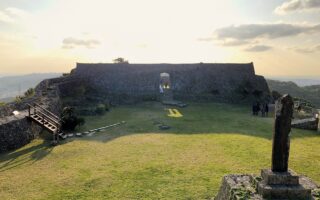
[(17, 133), (12, 106), (307, 124)]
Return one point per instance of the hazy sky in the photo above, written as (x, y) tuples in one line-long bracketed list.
[(281, 37)]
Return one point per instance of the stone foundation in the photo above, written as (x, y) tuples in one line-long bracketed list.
[(245, 186), (282, 185)]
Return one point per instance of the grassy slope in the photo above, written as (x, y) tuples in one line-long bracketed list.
[(137, 161)]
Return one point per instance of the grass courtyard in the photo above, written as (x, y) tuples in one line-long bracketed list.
[(138, 161)]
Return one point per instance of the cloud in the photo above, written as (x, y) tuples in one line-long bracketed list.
[(5, 18), (297, 5), (225, 42), (70, 43), (307, 50), (270, 31), (258, 48), (11, 15), (16, 12)]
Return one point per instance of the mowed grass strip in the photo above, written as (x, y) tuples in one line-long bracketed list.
[(139, 161)]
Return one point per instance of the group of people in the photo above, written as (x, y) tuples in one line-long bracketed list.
[(260, 107)]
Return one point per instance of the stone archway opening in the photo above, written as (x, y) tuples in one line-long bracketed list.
[(165, 87), (164, 82)]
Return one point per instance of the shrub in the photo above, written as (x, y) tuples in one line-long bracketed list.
[(70, 120), (18, 99), (29, 93), (100, 109)]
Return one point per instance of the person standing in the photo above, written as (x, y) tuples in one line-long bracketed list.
[(266, 109)]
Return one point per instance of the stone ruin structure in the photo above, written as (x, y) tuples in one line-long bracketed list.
[(124, 83), (127, 83)]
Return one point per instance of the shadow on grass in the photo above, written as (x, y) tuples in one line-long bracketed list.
[(25, 155)]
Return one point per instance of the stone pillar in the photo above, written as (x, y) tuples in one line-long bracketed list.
[(281, 131), (279, 182)]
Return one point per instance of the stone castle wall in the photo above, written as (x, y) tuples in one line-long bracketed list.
[(17, 133), (220, 82)]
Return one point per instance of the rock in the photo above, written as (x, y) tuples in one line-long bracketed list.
[(164, 127), (91, 134), (78, 134), (64, 136)]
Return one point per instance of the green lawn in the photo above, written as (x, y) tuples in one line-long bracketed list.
[(138, 161)]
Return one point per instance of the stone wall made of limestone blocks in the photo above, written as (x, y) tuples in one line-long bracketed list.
[(211, 81), (17, 133)]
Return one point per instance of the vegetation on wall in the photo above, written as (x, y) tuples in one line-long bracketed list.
[(30, 92), (120, 60)]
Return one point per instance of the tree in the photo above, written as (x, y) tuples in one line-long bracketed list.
[(70, 120), (120, 60)]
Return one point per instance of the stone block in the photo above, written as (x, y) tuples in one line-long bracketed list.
[(297, 192), (284, 185), (279, 178)]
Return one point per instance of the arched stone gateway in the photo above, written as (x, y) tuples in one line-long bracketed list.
[(165, 87), (165, 80)]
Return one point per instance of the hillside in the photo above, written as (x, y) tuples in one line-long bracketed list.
[(309, 93), (11, 86), (300, 81)]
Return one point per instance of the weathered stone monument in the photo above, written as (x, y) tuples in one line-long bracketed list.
[(279, 182)]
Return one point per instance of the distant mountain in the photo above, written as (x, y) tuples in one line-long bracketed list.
[(11, 86), (300, 81), (309, 93)]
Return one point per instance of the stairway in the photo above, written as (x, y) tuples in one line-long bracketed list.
[(46, 120), (42, 121)]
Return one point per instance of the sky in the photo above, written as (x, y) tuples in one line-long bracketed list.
[(281, 37)]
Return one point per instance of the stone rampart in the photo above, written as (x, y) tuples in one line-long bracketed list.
[(219, 82)]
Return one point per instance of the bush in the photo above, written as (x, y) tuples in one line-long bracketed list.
[(29, 93), (18, 99), (2, 104), (70, 120), (100, 109)]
